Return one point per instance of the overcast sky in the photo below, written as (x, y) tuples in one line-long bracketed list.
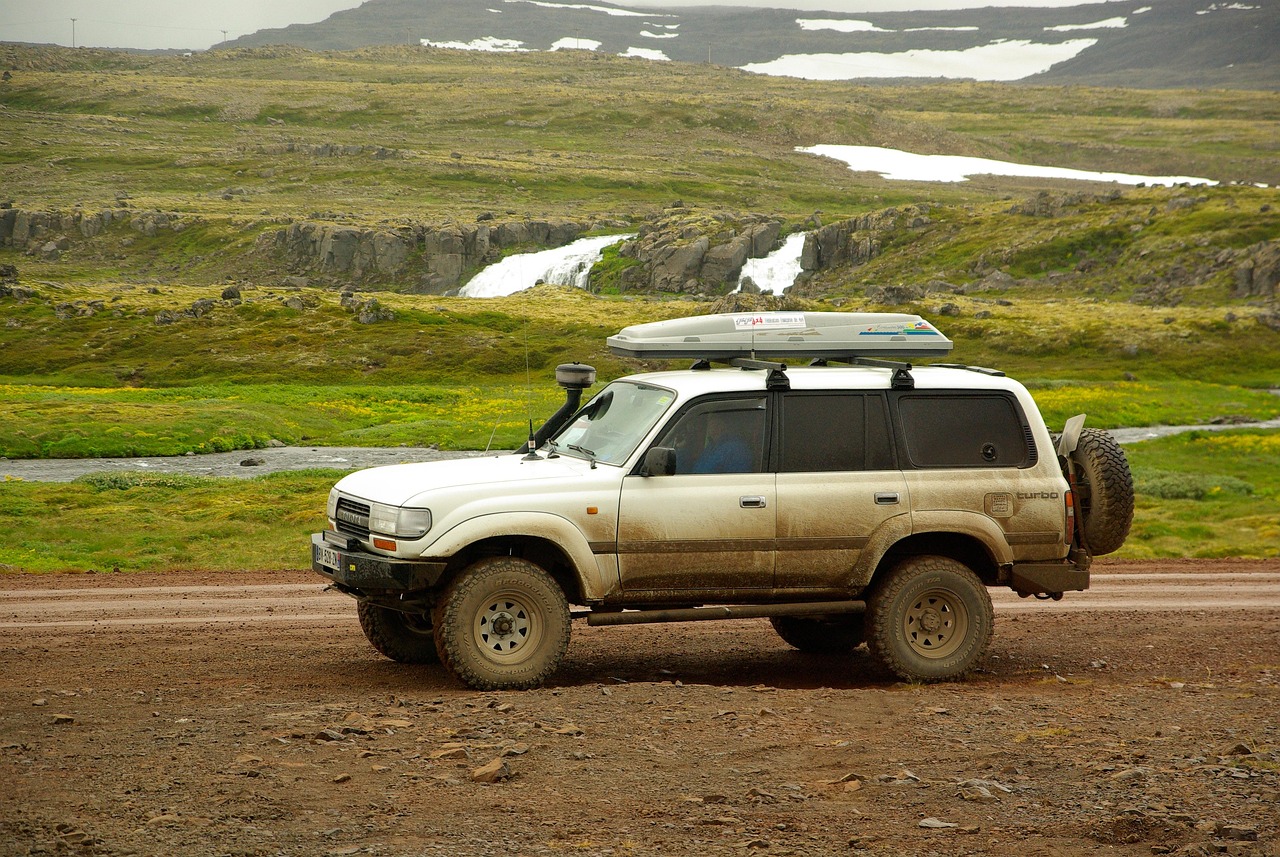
[(195, 25)]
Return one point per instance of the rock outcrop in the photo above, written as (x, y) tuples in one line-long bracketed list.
[(1257, 272), (688, 252), (437, 258)]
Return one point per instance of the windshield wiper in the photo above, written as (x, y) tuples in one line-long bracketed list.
[(588, 453)]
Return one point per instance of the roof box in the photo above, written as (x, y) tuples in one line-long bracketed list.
[(829, 335)]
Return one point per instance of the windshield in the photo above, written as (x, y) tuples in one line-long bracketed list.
[(612, 424)]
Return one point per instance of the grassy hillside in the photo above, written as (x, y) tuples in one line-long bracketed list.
[(1125, 305), (234, 135)]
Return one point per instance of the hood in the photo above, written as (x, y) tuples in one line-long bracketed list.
[(400, 484)]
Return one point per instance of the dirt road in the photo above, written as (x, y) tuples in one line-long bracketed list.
[(246, 715)]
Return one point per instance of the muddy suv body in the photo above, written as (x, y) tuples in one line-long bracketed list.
[(847, 504)]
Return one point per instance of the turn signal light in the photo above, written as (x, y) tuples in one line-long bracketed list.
[(384, 544)]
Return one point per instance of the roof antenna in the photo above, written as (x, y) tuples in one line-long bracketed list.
[(531, 444)]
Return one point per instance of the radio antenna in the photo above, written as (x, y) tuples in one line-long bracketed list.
[(531, 444)]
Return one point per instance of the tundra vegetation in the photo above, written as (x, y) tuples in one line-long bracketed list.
[(163, 288)]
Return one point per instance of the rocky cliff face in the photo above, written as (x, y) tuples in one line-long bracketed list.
[(435, 258), (688, 252)]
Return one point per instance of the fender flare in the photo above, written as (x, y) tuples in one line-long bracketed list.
[(556, 529)]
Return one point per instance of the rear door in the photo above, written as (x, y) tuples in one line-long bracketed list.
[(837, 485)]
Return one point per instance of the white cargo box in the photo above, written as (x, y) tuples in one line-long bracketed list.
[(827, 335)]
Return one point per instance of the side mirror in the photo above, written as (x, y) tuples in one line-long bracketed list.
[(659, 461)]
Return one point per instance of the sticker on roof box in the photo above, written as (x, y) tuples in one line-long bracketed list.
[(919, 328), (770, 321)]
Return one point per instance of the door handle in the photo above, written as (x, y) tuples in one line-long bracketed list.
[(887, 498), (753, 501)]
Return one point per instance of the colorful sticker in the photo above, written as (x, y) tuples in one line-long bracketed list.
[(919, 328), (770, 321)]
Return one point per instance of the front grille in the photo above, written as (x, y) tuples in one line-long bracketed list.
[(352, 518)]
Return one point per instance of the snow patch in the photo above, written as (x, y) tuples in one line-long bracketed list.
[(1108, 24), (941, 30), (1004, 60), (840, 25), (645, 54), (573, 43), (569, 265), (898, 165), (649, 35), (1218, 7), (1144, 10), (608, 10), (488, 43)]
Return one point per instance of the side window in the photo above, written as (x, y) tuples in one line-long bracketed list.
[(942, 430), (827, 432), (719, 436)]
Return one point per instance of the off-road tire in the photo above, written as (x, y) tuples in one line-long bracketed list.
[(821, 635), (503, 624), (1105, 488), (930, 619), (404, 637)]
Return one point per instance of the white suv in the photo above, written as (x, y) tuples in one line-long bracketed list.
[(871, 502)]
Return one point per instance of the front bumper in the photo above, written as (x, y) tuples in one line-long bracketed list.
[(354, 569)]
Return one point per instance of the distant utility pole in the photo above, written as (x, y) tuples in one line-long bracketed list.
[(73, 32), (224, 35)]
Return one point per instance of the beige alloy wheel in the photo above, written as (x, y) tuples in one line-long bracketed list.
[(929, 618), (503, 624), (936, 623)]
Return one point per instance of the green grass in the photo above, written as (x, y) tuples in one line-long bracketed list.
[(1211, 494), (146, 523), (1206, 494)]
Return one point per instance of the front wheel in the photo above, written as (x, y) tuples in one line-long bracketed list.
[(930, 619), (403, 637), (822, 635), (503, 624)]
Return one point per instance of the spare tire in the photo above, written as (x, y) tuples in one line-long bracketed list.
[(1104, 488)]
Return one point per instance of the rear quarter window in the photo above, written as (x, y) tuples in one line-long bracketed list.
[(964, 430)]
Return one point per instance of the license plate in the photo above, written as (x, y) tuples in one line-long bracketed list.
[(330, 558)]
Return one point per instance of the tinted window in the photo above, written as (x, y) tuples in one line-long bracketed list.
[(963, 431), (719, 436), (833, 431)]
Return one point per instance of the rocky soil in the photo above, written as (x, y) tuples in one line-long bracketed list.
[(279, 731)]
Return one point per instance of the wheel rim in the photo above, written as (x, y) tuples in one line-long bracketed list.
[(507, 627), (936, 623)]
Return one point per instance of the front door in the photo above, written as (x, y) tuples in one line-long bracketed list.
[(708, 529)]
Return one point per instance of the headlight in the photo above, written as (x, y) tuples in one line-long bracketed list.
[(398, 521)]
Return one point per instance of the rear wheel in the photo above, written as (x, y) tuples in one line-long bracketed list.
[(403, 637), (821, 634), (503, 624), (930, 619), (1106, 491)]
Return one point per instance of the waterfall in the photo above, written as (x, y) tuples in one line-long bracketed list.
[(775, 272), (563, 266)]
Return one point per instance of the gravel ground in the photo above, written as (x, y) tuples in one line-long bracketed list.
[(1124, 731)]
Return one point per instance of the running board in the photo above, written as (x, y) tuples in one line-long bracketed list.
[(726, 611)]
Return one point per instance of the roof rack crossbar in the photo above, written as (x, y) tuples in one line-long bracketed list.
[(902, 378), (994, 373), (777, 379)]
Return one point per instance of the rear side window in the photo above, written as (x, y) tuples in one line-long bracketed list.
[(957, 430), (825, 432)]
